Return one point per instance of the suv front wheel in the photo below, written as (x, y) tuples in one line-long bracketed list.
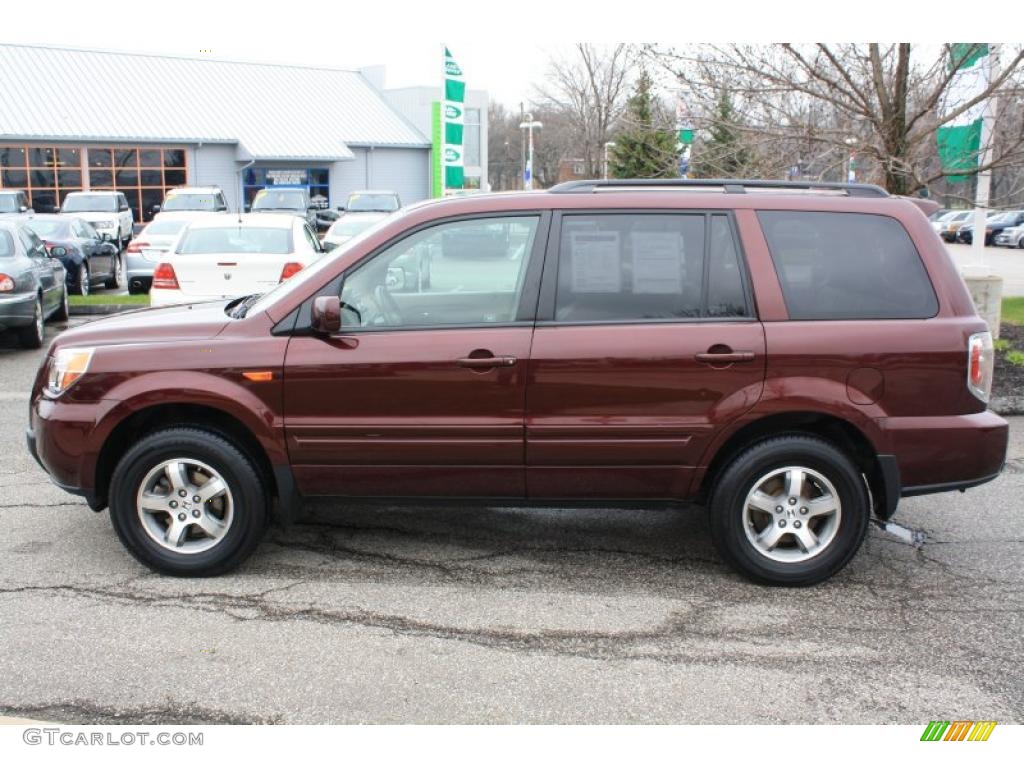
[(187, 502), (789, 511)]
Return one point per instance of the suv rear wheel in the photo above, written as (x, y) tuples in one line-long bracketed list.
[(187, 502), (789, 511)]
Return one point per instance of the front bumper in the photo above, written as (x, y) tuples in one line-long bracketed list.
[(17, 311), (88, 494)]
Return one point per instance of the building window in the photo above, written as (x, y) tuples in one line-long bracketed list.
[(143, 174), (47, 174), (315, 180)]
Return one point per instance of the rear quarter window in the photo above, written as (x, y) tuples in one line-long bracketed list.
[(847, 266), (6, 244)]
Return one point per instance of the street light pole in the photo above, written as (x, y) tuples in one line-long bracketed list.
[(851, 172), (607, 145), (529, 125)]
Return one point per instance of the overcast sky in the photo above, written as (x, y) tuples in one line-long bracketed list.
[(503, 48)]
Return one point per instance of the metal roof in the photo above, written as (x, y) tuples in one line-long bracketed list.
[(271, 111)]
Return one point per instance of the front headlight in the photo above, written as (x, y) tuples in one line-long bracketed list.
[(66, 368)]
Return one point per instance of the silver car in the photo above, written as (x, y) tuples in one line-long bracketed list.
[(148, 249), (1012, 237), (33, 286)]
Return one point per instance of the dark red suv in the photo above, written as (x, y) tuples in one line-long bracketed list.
[(796, 357)]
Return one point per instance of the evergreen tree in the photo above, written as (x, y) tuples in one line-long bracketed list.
[(722, 155), (643, 148)]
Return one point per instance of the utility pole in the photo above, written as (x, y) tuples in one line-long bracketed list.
[(529, 125), (522, 149), (984, 176)]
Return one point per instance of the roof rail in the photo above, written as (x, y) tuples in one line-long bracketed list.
[(733, 186)]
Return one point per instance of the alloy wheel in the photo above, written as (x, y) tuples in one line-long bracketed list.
[(792, 514), (185, 505)]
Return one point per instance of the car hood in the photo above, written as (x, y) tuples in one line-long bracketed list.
[(184, 322), (92, 218)]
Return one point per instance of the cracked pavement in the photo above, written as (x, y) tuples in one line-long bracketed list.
[(375, 614)]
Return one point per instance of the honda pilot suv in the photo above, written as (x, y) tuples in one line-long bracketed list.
[(796, 357)]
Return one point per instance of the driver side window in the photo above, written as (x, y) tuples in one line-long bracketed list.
[(467, 273)]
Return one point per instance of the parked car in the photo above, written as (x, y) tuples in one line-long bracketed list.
[(181, 201), (367, 200), (1012, 237), (221, 257), (88, 257), (325, 218), (14, 202), (796, 362), (108, 212), (286, 200), (348, 226), (939, 223), (148, 249), (995, 223), (32, 285), (951, 225)]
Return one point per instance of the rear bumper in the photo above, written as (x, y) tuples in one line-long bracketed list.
[(17, 311), (935, 454)]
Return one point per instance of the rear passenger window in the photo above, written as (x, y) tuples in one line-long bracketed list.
[(632, 267), (847, 266)]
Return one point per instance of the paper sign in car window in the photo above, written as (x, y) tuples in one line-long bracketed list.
[(596, 259), (657, 262)]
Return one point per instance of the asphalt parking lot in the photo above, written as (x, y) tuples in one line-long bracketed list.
[(435, 615)]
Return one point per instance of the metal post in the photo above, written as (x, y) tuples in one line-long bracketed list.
[(528, 125), (522, 148), (984, 178)]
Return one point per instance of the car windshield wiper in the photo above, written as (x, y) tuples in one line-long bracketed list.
[(241, 307)]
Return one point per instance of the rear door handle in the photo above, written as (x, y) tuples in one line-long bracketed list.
[(724, 357), (506, 361)]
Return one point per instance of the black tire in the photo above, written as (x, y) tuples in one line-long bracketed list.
[(250, 509), (62, 312), (728, 498), (31, 336), (114, 281), (82, 285)]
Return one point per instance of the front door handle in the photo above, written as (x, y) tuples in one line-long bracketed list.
[(505, 361), (724, 357)]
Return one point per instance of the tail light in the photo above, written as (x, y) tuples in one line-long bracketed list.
[(980, 361), (291, 269), (6, 283), (135, 247), (164, 277)]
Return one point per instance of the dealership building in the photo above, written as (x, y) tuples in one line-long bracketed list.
[(141, 124)]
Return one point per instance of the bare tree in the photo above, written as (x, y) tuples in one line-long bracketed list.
[(589, 90), (823, 101)]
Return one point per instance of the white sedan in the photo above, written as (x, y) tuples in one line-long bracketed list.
[(221, 257)]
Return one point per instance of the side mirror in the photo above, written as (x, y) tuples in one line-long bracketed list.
[(247, 207), (341, 207), (156, 209), (327, 314), (22, 209), (57, 251)]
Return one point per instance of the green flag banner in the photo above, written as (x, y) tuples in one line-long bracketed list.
[(453, 115), (959, 140)]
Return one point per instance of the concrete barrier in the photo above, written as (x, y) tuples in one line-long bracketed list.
[(987, 293)]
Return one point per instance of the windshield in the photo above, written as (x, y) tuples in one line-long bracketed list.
[(235, 240), (349, 227), (48, 227), (9, 204), (1004, 218), (6, 244), (364, 202), (177, 201), (165, 227), (105, 203), (279, 199)]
